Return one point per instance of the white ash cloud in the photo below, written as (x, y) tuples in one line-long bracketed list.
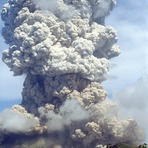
[(17, 120), (64, 49), (69, 112), (77, 45), (59, 8), (72, 111)]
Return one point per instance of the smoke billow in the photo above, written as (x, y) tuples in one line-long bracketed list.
[(69, 112), (17, 116), (63, 47)]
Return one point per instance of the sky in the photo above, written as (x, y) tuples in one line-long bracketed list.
[(128, 81), (131, 21), (10, 86)]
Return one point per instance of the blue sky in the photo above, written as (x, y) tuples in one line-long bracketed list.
[(128, 82), (10, 87), (130, 19)]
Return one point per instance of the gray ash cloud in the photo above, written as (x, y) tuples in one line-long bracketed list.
[(63, 47)]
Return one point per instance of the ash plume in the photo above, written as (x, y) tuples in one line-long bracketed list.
[(63, 47)]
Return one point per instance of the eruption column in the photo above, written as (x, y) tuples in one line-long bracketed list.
[(63, 47)]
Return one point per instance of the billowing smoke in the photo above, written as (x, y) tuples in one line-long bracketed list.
[(63, 47), (69, 112), (17, 120)]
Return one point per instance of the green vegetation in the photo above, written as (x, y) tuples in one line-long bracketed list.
[(124, 145), (143, 146)]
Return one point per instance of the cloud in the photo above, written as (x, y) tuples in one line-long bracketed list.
[(10, 118), (130, 91), (69, 112), (132, 39), (134, 95), (133, 101), (40, 87)]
